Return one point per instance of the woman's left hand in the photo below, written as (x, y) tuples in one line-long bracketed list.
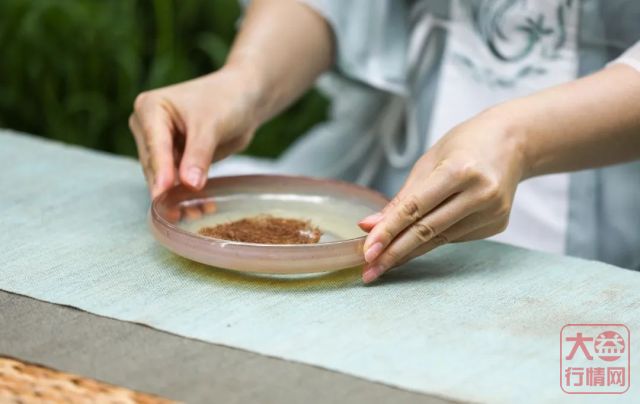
[(460, 190)]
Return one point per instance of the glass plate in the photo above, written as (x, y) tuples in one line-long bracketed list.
[(335, 207)]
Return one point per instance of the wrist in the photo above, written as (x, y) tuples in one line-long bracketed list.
[(252, 85), (514, 129)]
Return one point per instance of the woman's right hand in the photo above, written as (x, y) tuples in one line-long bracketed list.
[(181, 129)]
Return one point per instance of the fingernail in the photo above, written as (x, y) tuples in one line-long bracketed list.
[(372, 273), (194, 176), (156, 186), (155, 191), (372, 218), (209, 207), (173, 215), (372, 253), (378, 269), (369, 276), (158, 180), (192, 213)]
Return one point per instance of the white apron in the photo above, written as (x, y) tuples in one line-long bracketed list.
[(491, 57)]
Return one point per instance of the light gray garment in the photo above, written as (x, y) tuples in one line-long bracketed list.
[(372, 37)]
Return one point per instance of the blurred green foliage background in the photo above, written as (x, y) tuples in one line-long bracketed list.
[(70, 69)]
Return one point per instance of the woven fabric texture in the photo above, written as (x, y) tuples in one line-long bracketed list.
[(476, 321)]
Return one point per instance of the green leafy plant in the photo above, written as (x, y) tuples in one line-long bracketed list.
[(70, 70)]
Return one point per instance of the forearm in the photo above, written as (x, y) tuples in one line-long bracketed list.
[(590, 122), (283, 46)]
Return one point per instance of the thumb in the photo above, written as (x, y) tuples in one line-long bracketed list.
[(196, 159)]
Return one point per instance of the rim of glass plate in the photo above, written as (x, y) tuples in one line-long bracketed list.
[(157, 218)]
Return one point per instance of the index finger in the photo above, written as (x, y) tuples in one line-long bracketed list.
[(419, 199), (156, 126)]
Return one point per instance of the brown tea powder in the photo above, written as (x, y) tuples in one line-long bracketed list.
[(265, 229)]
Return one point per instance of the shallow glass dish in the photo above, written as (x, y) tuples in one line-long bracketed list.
[(335, 207)]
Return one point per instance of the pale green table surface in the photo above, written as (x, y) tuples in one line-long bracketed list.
[(477, 321)]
